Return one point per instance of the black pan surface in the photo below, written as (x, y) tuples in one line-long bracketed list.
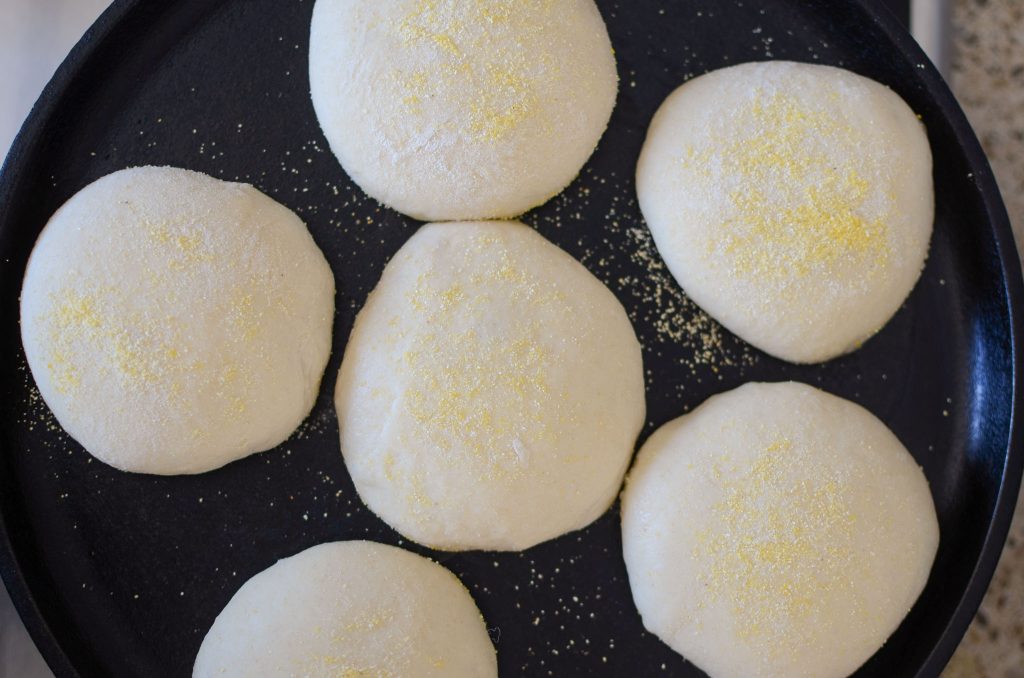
[(120, 574)]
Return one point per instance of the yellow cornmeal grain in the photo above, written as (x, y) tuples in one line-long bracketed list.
[(371, 621), (490, 402), (148, 350), (674, 317), (65, 374), (389, 467), (244, 316), (450, 402), (416, 86), (360, 626), (339, 667), (131, 345), (776, 546), (359, 673), (185, 247), (74, 315), (77, 310), (506, 99), (796, 210), (503, 93), (418, 496), (135, 360), (74, 319)]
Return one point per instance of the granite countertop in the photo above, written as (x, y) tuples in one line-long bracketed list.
[(988, 78)]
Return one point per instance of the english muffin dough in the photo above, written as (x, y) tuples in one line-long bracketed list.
[(174, 322), (792, 202), (461, 109), (776, 531), (491, 391), (349, 609)]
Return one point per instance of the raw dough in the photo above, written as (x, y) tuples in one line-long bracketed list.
[(349, 609), (491, 392), (776, 531), (793, 202), (461, 109), (174, 322)]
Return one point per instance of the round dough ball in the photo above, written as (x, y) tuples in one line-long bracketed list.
[(792, 202), (491, 392), (353, 608), (461, 109), (776, 531), (174, 322)]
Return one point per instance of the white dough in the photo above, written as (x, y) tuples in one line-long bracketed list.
[(776, 531), (792, 202), (348, 610), (461, 109), (174, 322), (491, 391)]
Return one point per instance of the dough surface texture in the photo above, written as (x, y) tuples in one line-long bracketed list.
[(792, 202), (491, 391), (349, 609), (776, 531), (174, 322), (452, 110)]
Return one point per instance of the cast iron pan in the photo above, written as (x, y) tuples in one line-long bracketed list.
[(120, 574)]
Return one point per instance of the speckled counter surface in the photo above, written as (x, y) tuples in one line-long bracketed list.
[(988, 79)]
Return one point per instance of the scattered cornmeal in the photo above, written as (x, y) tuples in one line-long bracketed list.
[(793, 202), (461, 109), (776, 531), (491, 391), (174, 322), (353, 609)]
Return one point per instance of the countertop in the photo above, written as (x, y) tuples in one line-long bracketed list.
[(988, 78)]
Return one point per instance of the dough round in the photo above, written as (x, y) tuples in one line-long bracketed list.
[(461, 109), (491, 392), (792, 202), (174, 322), (776, 530), (353, 608)]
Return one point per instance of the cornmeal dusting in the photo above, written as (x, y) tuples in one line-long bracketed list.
[(502, 75), (138, 353), (628, 262), (800, 203), (338, 667), (779, 542), (354, 632), (491, 399), (101, 332)]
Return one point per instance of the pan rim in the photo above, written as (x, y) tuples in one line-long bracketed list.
[(1010, 264), (50, 645)]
